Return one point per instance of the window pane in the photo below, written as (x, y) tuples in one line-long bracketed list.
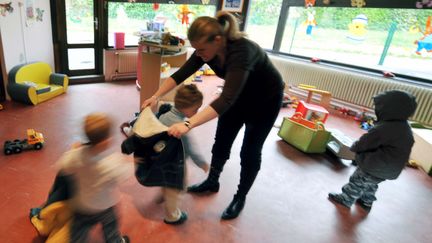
[(132, 18), (381, 39), (262, 21), (81, 58), (79, 21)]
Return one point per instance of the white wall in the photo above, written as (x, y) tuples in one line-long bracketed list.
[(26, 41)]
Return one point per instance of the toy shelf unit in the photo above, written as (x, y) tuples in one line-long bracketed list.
[(150, 59), (312, 112), (325, 95)]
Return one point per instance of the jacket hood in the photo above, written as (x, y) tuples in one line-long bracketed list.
[(394, 105)]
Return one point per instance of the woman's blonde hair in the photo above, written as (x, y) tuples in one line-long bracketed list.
[(206, 28), (97, 127), (188, 95)]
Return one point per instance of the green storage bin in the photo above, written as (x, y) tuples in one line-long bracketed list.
[(300, 135)]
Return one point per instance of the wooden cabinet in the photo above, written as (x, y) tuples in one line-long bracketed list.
[(150, 77)]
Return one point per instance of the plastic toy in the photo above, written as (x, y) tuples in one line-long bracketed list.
[(367, 124), (1, 107), (339, 144), (312, 112), (34, 140), (286, 100)]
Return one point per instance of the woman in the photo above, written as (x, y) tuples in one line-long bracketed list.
[(251, 96)]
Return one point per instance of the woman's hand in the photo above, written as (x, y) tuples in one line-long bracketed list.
[(152, 101), (177, 130)]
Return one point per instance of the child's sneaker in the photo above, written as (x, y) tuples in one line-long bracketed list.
[(338, 198), (34, 212), (181, 220), (366, 206), (125, 239)]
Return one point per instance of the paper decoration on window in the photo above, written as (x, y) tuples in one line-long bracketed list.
[(205, 2), (184, 14), (29, 12), (309, 3), (310, 22), (6, 8), (424, 4), (358, 3), (326, 2), (39, 14), (357, 28), (426, 41), (155, 6)]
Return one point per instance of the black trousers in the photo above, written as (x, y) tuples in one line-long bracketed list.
[(258, 119), (82, 223)]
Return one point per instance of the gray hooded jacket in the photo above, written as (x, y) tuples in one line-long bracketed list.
[(385, 149)]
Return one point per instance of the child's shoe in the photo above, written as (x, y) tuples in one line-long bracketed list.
[(34, 212), (181, 220), (338, 198), (124, 127), (366, 206), (125, 239)]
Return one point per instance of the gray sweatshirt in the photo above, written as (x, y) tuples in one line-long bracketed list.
[(189, 145)]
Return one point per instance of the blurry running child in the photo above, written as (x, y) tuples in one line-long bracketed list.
[(97, 173)]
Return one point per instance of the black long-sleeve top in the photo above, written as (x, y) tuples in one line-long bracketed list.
[(249, 75)]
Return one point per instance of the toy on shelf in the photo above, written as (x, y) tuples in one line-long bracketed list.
[(311, 112), (34, 140)]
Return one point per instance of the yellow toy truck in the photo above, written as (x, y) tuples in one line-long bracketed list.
[(34, 140)]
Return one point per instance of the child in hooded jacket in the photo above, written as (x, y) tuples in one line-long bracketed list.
[(382, 152)]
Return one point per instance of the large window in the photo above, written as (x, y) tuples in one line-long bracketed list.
[(398, 40), (262, 21), (132, 18)]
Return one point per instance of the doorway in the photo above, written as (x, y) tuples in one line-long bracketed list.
[(77, 39)]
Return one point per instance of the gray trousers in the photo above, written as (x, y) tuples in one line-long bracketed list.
[(361, 186), (82, 223)]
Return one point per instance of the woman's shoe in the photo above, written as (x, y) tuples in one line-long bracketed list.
[(234, 208), (206, 186)]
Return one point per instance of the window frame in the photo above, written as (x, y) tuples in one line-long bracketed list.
[(286, 4)]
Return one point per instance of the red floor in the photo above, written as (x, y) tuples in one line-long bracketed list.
[(288, 202)]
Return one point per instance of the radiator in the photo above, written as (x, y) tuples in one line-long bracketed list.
[(353, 87), (123, 65), (126, 62)]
